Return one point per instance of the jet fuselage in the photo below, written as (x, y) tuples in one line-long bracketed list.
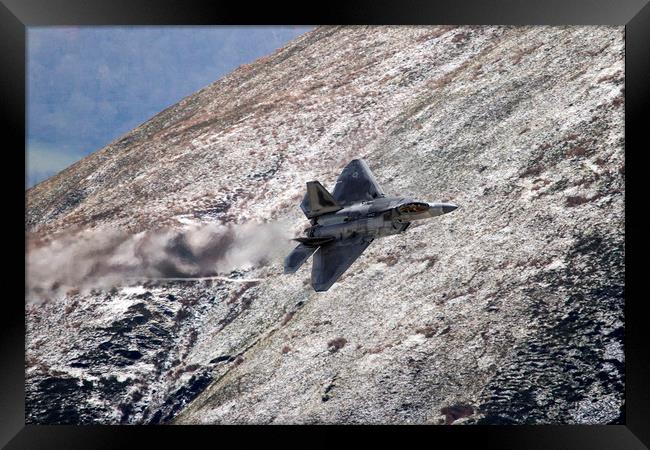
[(346, 221), (373, 219)]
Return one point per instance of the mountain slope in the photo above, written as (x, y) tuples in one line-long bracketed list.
[(508, 310)]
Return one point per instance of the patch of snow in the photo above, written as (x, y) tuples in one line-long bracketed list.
[(133, 290), (415, 339), (557, 263)]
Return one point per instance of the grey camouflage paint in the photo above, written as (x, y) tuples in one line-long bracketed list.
[(345, 222)]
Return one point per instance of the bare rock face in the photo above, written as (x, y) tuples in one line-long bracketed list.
[(508, 310)]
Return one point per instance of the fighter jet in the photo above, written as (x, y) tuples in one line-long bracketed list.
[(346, 221)]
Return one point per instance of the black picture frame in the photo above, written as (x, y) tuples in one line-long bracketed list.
[(16, 15)]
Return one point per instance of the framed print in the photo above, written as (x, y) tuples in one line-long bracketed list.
[(371, 215)]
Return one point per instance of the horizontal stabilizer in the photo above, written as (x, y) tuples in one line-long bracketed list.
[(297, 258), (314, 241), (318, 201)]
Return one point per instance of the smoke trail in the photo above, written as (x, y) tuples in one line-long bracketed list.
[(107, 257)]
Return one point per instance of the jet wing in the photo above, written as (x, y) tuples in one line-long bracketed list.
[(356, 184), (331, 260)]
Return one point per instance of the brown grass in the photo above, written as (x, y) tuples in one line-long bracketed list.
[(379, 349), (287, 317), (441, 82), (532, 262), (433, 34), (389, 260), (238, 294), (596, 52), (182, 313), (540, 183), (578, 150), (426, 330), (477, 72), (532, 171), (336, 344), (455, 412), (189, 368), (459, 37), (520, 53), (576, 200), (600, 162), (613, 77), (71, 307)]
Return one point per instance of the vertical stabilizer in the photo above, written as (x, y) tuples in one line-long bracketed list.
[(318, 201)]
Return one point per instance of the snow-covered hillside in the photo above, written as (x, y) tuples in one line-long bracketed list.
[(509, 310)]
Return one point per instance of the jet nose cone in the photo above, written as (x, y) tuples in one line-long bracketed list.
[(448, 207)]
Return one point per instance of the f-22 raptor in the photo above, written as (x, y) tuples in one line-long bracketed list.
[(346, 221)]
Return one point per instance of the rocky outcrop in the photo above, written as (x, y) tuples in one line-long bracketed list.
[(509, 310)]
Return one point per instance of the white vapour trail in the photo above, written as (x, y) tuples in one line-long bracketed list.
[(231, 280), (105, 258)]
